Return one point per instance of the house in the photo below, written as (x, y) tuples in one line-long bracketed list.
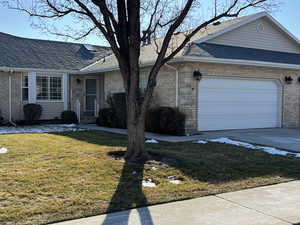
[(236, 74)]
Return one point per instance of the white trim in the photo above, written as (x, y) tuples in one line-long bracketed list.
[(9, 97), (244, 22), (203, 60), (240, 62), (32, 87), (292, 36), (19, 69), (66, 90)]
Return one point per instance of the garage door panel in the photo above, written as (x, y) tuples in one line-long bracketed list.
[(237, 104), (228, 108), (231, 97), (237, 124)]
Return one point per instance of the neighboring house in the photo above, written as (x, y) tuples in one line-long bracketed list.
[(40, 71), (246, 66)]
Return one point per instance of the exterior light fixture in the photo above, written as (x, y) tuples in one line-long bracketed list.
[(78, 81), (288, 80), (299, 79), (197, 75)]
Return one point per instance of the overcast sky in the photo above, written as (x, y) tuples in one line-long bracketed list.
[(19, 24)]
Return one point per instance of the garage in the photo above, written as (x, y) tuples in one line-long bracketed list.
[(228, 103)]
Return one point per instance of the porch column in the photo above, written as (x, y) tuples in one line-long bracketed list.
[(66, 90), (32, 87)]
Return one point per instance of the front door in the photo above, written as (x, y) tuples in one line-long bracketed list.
[(91, 94)]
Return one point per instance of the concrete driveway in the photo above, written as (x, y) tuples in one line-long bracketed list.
[(282, 138)]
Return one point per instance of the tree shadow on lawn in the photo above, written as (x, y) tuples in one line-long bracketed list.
[(129, 194), (213, 163)]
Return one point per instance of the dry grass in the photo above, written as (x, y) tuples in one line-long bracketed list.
[(53, 177)]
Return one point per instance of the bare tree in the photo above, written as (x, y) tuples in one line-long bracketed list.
[(125, 25)]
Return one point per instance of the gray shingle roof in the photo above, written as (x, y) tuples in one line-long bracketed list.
[(233, 52), (42, 54)]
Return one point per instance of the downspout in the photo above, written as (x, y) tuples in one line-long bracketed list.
[(10, 99), (176, 85)]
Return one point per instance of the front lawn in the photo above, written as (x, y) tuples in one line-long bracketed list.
[(52, 177)]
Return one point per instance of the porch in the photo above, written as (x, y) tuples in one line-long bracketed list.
[(87, 96)]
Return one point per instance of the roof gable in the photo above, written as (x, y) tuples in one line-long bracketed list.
[(260, 31)]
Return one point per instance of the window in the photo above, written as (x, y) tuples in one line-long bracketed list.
[(49, 88), (55, 88), (143, 81), (25, 88)]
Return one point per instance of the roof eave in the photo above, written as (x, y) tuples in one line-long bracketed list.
[(20, 69), (240, 62), (181, 59)]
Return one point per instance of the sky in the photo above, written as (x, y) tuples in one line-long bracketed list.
[(19, 24)]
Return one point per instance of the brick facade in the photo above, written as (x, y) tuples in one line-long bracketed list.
[(188, 88)]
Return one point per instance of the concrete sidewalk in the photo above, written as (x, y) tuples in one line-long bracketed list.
[(271, 205), (149, 135), (281, 138)]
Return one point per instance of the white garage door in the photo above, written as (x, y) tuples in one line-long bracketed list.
[(238, 104)]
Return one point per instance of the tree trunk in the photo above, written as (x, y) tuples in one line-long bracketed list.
[(136, 151)]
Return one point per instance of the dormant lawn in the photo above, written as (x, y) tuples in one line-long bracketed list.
[(46, 178)]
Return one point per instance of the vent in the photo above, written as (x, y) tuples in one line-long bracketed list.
[(90, 48), (217, 23), (260, 28)]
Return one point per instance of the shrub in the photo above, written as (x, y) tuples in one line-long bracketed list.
[(107, 118), (165, 120), (116, 115), (32, 113), (152, 123), (1, 118), (69, 117)]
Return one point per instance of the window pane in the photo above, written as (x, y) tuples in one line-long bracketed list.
[(143, 81), (55, 88), (25, 94), (25, 81), (42, 88)]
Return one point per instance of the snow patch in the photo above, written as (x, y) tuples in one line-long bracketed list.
[(174, 180), (70, 125), (40, 129), (148, 183), (270, 150), (3, 150), (153, 168), (201, 142), (153, 141)]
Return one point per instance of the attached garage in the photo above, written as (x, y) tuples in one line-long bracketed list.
[(227, 103)]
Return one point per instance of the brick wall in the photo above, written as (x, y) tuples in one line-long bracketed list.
[(188, 88)]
